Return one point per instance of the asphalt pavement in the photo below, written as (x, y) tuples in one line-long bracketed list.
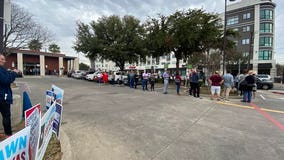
[(119, 123)]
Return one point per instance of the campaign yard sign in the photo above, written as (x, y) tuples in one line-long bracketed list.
[(17, 146), (49, 98), (59, 93), (57, 119), (32, 119), (58, 115), (45, 131)]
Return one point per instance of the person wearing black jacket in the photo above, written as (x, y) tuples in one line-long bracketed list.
[(247, 89), (6, 97)]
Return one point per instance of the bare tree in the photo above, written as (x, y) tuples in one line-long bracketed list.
[(23, 29)]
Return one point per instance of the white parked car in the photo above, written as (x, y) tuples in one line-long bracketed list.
[(119, 76), (78, 74), (91, 76), (264, 77)]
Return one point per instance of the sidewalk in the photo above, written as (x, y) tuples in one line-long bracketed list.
[(278, 86), (184, 91)]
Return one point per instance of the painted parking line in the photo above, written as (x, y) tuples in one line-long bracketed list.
[(262, 97), (249, 107), (268, 117), (262, 111)]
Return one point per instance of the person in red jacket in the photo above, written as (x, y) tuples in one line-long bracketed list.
[(105, 77)]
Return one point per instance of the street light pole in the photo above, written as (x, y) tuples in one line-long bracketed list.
[(250, 49), (224, 37), (1, 25)]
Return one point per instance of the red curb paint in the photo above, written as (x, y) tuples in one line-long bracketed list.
[(267, 116), (278, 92)]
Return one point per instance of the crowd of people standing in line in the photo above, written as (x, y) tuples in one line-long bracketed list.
[(246, 84)]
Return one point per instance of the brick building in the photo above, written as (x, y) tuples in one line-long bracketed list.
[(41, 63)]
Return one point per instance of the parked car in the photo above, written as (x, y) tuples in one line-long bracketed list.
[(86, 73), (264, 77), (19, 74), (91, 76), (118, 76), (78, 74), (69, 73), (139, 82), (264, 84)]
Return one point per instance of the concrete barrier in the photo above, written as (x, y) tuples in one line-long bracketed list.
[(16, 111)]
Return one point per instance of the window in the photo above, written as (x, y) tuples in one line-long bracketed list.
[(246, 29), (233, 20), (266, 14), (236, 29), (245, 54), (265, 41), (266, 27), (173, 56), (246, 16), (245, 41), (174, 62), (168, 58), (265, 55), (148, 62)]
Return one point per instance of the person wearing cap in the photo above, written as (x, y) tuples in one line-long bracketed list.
[(215, 81), (6, 97)]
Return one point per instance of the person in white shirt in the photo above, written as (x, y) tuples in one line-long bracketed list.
[(166, 81), (145, 77)]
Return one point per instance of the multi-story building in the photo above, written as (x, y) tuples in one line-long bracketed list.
[(254, 20), (150, 64)]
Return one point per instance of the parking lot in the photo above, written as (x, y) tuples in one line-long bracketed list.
[(105, 122)]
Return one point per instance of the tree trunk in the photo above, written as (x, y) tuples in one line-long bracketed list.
[(178, 58), (177, 65), (121, 66)]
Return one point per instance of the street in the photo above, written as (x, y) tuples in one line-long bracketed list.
[(120, 123)]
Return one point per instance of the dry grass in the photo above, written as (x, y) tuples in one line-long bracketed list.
[(53, 151)]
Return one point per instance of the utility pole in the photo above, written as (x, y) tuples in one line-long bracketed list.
[(250, 49), (1, 25), (224, 37), (282, 76)]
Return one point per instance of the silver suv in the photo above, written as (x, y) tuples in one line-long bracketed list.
[(264, 77)]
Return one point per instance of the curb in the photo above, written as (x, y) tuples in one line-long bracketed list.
[(278, 92), (65, 145)]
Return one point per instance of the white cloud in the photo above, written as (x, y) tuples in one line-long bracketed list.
[(60, 16)]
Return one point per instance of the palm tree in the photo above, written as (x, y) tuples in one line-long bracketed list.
[(54, 48), (35, 45)]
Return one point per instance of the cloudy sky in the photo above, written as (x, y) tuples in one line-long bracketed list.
[(60, 16)]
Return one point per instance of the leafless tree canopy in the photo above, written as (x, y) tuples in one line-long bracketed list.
[(24, 29)]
